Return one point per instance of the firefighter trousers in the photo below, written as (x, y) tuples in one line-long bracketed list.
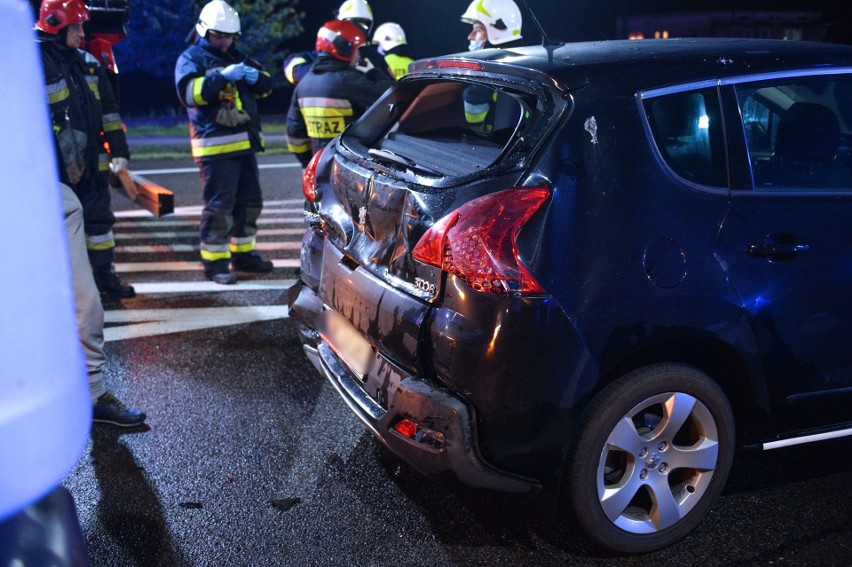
[(232, 205), (98, 219)]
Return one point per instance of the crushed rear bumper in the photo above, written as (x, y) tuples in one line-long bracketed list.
[(401, 395)]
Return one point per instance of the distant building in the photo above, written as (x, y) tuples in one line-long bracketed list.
[(801, 25)]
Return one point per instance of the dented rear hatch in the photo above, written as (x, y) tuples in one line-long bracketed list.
[(442, 137)]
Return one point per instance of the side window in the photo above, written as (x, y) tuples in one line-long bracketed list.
[(687, 129), (798, 132)]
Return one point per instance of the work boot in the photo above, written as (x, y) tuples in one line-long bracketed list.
[(251, 262), (110, 285), (108, 409), (218, 272)]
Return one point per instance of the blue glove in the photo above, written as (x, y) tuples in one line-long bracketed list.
[(234, 72), (251, 75)]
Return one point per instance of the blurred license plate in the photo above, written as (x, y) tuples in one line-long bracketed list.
[(347, 342)]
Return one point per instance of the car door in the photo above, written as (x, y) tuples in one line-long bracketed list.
[(786, 243)]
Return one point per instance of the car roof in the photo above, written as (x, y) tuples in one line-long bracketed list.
[(665, 60)]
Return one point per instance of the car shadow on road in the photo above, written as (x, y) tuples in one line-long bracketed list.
[(462, 518), (129, 508)]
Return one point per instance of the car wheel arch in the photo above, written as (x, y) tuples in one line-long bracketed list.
[(742, 384)]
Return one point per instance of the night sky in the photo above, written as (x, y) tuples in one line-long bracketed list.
[(433, 26)]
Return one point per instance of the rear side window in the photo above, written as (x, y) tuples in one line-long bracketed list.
[(687, 130), (799, 132), (440, 128)]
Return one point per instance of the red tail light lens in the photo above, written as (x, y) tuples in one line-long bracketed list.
[(460, 65), (419, 434), (478, 241), (309, 177)]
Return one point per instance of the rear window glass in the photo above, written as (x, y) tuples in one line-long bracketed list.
[(687, 129), (440, 128)]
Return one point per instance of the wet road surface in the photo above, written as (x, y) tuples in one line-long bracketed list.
[(250, 458)]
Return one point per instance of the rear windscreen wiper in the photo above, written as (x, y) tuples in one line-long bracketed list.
[(386, 156)]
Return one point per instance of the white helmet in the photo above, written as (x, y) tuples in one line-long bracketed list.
[(388, 36), (218, 16), (501, 18), (358, 11)]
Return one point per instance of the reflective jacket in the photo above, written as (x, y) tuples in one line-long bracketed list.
[(328, 98), (203, 90), (80, 97), (398, 60), (297, 65)]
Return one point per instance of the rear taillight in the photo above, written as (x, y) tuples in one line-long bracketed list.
[(477, 241), (450, 64), (309, 177)]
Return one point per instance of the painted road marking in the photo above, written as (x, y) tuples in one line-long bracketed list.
[(140, 323), (195, 210), (136, 323), (194, 222), (210, 287), (125, 235), (195, 169), (179, 248), (181, 266)]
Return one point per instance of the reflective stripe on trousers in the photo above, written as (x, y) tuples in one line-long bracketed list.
[(232, 204)]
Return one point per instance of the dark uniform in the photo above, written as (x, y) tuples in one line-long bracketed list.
[(327, 99), (84, 113), (225, 153), (297, 65)]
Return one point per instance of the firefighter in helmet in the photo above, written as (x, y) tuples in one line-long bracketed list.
[(390, 38), (219, 85), (370, 60), (494, 23), (333, 93), (90, 138)]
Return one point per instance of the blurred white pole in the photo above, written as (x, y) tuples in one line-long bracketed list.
[(45, 410)]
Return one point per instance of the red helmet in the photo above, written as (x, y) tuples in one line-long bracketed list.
[(56, 15), (341, 39)]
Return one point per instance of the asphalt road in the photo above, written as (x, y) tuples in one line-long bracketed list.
[(250, 458)]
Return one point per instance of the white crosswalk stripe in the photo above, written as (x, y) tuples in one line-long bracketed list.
[(150, 322), (168, 248), (282, 227), (182, 266), (189, 234), (170, 245), (187, 222)]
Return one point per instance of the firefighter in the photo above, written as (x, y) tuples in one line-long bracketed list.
[(494, 23), (370, 60), (333, 93), (219, 86), (85, 118), (390, 38)]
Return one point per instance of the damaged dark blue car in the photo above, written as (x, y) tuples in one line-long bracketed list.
[(634, 259)]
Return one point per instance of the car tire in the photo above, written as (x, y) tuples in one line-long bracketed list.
[(652, 455)]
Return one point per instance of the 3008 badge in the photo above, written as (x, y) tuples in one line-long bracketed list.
[(423, 285)]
